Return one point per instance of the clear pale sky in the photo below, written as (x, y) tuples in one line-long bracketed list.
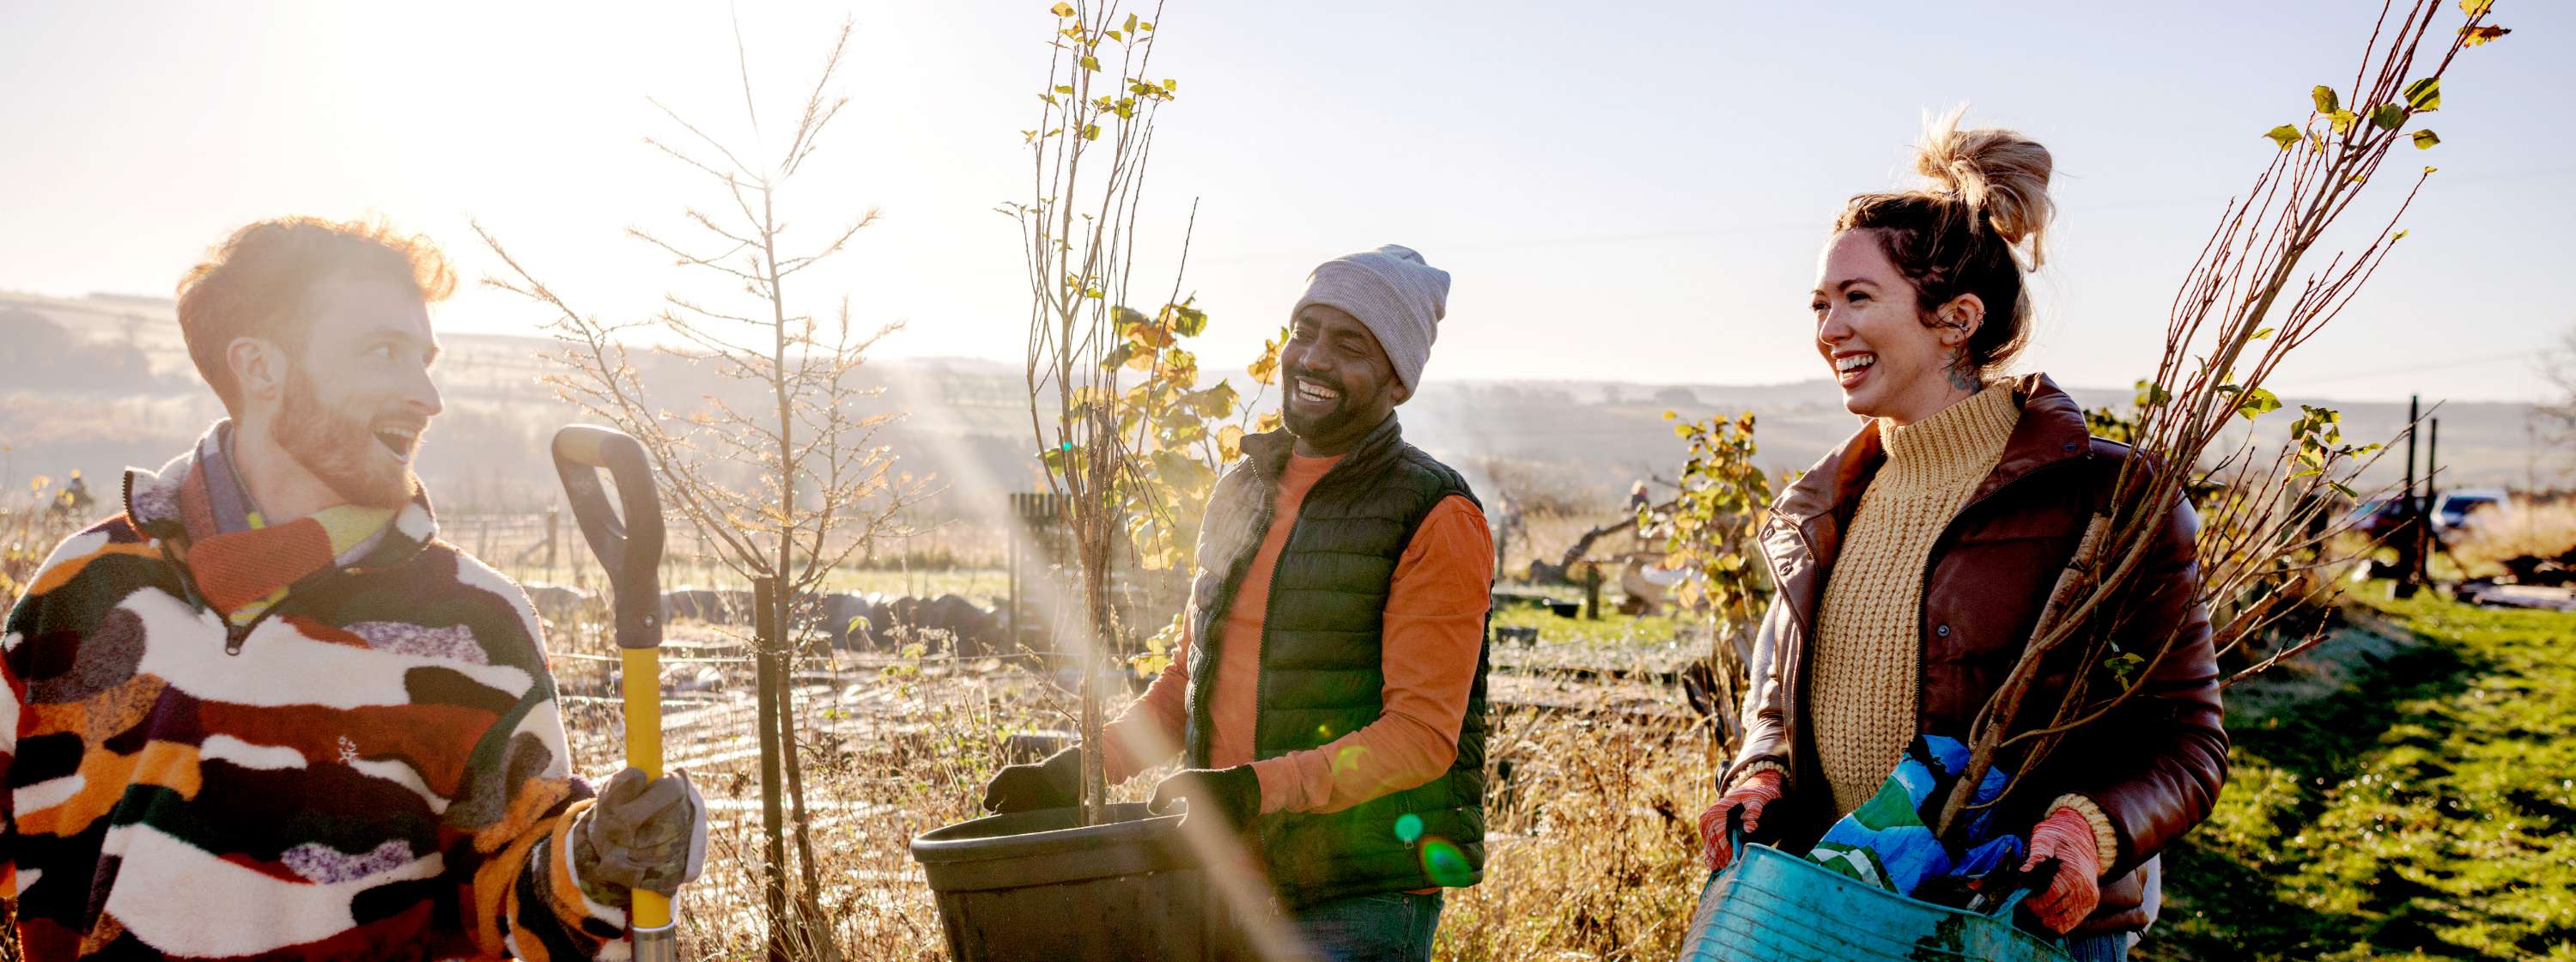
[(1631, 194)]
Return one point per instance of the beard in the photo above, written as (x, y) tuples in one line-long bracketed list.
[(1339, 420), (340, 447), (1319, 427)]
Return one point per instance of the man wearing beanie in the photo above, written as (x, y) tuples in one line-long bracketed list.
[(1328, 698)]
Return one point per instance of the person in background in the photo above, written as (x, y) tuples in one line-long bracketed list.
[(263, 712), (1912, 561), (73, 500), (1328, 700)]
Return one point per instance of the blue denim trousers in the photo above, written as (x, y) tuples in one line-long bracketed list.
[(2100, 948), (1384, 927)]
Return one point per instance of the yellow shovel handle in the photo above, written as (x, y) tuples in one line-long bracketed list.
[(642, 686)]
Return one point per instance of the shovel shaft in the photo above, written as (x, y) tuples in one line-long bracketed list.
[(642, 683), (657, 945), (628, 544)]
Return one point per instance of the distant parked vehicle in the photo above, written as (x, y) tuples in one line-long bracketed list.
[(2376, 517), (2452, 512)]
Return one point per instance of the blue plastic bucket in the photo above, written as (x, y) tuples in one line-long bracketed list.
[(1771, 906)]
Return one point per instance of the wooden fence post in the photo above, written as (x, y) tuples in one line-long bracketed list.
[(770, 675)]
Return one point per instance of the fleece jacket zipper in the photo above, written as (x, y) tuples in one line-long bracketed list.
[(235, 636)]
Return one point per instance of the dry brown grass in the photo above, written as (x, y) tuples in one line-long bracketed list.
[(870, 792), (27, 537), (1591, 853), (893, 745), (1592, 845)]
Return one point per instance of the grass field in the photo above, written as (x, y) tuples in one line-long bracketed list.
[(2422, 809), (1615, 641)]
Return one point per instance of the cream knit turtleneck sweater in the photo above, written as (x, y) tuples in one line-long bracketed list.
[(1869, 631)]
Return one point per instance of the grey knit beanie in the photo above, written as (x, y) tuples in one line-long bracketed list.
[(1400, 299)]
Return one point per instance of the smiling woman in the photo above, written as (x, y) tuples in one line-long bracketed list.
[(1919, 296), (1912, 561)]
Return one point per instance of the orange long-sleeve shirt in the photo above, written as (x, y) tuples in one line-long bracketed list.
[(1433, 631)]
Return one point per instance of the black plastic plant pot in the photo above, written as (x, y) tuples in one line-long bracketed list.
[(1032, 886)]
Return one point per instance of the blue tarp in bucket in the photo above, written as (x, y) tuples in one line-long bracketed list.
[(1771, 906), (1887, 841)]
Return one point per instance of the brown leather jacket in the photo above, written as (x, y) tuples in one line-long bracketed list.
[(2154, 766)]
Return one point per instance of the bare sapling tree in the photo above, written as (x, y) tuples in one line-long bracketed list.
[(819, 486), (2245, 305), (2268, 544), (1078, 234), (2557, 416), (2270, 538)]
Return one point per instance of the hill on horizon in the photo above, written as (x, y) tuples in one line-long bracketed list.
[(103, 382)]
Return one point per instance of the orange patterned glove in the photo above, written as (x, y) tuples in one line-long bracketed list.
[(2077, 888), (1750, 795)]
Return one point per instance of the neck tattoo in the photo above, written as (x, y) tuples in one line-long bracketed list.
[(1962, 375)]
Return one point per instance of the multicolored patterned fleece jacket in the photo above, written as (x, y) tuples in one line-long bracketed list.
[(368, 765)]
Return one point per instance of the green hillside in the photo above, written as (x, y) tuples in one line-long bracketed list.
[(2423, 809)]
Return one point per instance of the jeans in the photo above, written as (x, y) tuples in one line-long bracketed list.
[(1385, 927), (2100, 948)]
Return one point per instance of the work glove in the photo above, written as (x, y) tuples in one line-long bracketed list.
[(1230, 794), (1054, 783), (2076, 889), (1750, 795), (641, 833)]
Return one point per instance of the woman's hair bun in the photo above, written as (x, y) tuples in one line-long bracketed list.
[(2000, 175)]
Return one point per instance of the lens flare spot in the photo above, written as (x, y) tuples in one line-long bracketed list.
[(1348, 758), (1408, 828), (1446, 863)]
